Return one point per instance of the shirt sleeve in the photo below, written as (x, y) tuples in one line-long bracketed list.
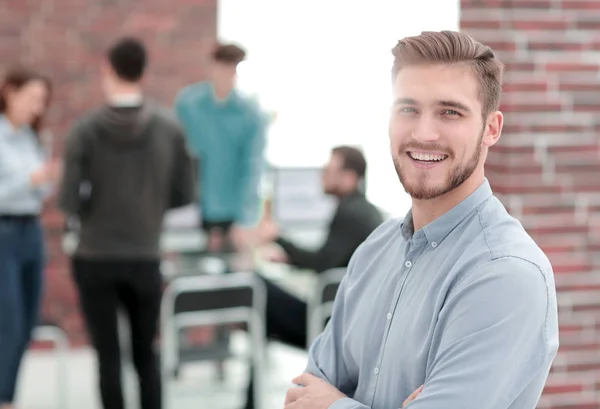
[(251, 164), (498, 334), (344, 236)]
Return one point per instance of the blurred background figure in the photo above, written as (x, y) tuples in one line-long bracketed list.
[(226, 131), (354, 220), (27, 176), (130, 159)]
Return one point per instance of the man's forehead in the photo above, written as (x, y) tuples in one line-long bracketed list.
[(440, 82)]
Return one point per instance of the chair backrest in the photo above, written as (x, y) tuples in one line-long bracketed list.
[(190, 301), (328, 283), (196, 294), (321, 301)]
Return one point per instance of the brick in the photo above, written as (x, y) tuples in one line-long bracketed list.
[(589, 405), (588, 23), (580, 347), (539, 24), (477, 24), (559, 128), (539, 86), (529, 168), (576, 158), (576, 149), (571, 67), (520, 66), (526, 4), (555, 46), (533, 107), (550, 390), (580, 5)]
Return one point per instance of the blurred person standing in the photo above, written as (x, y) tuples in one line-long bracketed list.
[(126, 164), (27, 175), (226, 131)]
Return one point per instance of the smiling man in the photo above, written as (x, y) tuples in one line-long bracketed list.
[(455, 306)]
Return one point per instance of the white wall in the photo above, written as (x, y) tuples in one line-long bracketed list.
[(324, 67)]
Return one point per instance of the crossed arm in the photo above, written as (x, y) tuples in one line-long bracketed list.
[(499, 336)]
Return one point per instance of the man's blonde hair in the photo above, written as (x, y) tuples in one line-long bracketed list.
[(451, 47)]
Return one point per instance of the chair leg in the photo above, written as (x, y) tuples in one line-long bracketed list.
[(258, 348)]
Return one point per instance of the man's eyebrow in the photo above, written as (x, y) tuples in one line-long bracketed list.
[(454, 104), (405, 101)]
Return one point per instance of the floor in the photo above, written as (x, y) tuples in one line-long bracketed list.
[(197, 387)]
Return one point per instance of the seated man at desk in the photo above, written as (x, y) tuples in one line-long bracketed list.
[(354, 220)]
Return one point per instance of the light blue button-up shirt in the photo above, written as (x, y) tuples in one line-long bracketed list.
[(465, 306), (20, 155)]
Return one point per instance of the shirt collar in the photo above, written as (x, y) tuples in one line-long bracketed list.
[(126, 100), (437, 230), (228, 100)]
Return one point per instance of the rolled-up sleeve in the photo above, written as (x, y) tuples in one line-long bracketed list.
[(496, 336)]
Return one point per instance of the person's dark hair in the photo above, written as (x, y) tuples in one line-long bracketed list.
[(352, 160), (128, 59), (15, 79), (228, 54)]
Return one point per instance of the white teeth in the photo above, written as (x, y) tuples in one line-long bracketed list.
[(427, 157)]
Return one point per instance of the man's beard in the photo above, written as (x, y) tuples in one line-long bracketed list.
[(421, 190)]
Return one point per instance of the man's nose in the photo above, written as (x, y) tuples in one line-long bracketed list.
[(425, 130)]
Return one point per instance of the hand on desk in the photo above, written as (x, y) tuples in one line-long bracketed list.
[(241, 237), (267, 231), (275, 254)]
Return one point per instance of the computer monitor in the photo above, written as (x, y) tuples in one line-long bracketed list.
[(299, 200)]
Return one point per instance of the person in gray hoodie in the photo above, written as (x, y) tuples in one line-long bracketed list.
[(126, 164)]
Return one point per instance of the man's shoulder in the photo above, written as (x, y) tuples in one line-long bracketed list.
[(505, 237), (164, 116), (192, 92), (250, 107), (86, 123), (381, 235)]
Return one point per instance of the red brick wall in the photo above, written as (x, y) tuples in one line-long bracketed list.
[(547, 166), (66, 39)]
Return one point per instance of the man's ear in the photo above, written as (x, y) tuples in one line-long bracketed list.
[(493, 128)]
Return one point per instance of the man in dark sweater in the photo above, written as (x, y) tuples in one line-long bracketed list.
[(354, 220), (126, 164)]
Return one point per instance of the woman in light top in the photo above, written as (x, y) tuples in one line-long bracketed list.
[(26, 179)]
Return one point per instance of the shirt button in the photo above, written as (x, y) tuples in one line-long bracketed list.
[(434, 244), (408, 264), (376, 371), (389, 316)]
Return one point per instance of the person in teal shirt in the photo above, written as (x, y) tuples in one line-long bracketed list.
[(226, 131)]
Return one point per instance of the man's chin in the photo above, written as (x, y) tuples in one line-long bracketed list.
[(424, 191)]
